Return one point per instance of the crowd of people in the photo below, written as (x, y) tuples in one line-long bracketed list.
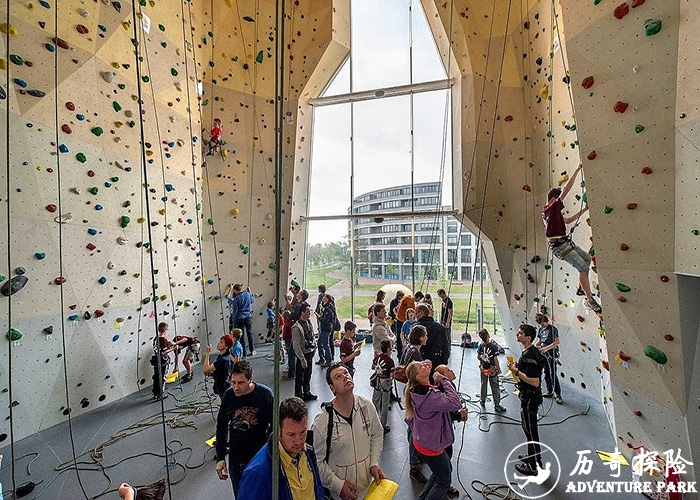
[(342, 457)]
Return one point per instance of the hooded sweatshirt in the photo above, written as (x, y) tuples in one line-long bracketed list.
[(431, 423)]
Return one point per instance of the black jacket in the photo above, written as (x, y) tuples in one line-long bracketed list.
[(437, 348)]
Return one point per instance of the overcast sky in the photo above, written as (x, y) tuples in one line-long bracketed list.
[(380, 40)]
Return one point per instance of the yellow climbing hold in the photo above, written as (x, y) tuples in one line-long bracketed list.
[(224, 153), (30, 6), (149, 153), (152, 3), (118, 124), (544, 91), (140, 220), (563, 180), (3, 64), (161, 211), (228, 2), (134, 97), (126, 25), (8, 29), (115, 65)]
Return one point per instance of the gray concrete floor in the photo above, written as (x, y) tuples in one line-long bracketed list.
[(133, 426)]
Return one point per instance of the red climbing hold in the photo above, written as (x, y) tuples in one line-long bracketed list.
[(29, 64), (90, 173), (624, 247), (631, 206), (624, 356), (70, 106), (90, 246), (622, 298), (587, 82), (60, 280), (73, 307), (509, 118), (592, 155), (638, 413), (637, 3), (82, 29), (582, 343), (605, 364), (580, 318), (51, 208), (61, 43), (516, 296), (620, 107), (621, 11), (647, 170), (66, 129), (527, 188), (99, 313), (664, 278), (669, 337)]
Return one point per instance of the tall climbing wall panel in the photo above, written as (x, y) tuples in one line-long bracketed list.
[(89, 228), (238, 75)]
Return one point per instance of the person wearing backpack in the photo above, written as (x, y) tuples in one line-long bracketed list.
[(348, 438), (327, 326)]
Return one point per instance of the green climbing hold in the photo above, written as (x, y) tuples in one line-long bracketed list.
[(173, 71), (161, 27), (146, 78), (694, 231), (656, 354), (2, 278), (547, 267), (114, 179), (16, 59), (241, 246), (536, 299), (572, 127), (272, 265), (142, 3), (639, 129), (596, 2), (652, 26), (164, 44), (210, 221), (117, 107), (608, 209), (199, 206), (97, 131), (122, 272), (584, 198), (93, 190), (259, 57), (205, 102), (124, 221), (122, 86), (621, 287), (234, 58), (13, 335), (682, 115), (537, 15), (81, 157), (246, 250)]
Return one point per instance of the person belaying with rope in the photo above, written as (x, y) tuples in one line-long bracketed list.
[(560, 241)]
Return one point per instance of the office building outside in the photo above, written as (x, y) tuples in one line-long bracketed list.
[(384, 246)]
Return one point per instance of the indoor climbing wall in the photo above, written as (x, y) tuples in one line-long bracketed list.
[(238, 75), (91, 232), (519, 139), (544, 86), (631, 119)]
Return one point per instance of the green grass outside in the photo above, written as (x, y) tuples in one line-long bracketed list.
[(460, 318), (315, 277)]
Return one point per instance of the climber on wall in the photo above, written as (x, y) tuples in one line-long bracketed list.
[(560, 241)]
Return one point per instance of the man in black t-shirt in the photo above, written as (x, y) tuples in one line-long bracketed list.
[(487, 354), (529, 369), (446, 312), (245, 416)]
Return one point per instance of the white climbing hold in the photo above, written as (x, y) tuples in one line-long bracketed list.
[(110, 265), (256, 263), (122, 240), (178, 86), (180, 142), (261, 241), (171, 118), (128, 113), (189, 242), (83, 13), (108, 76), (188, 302), (107, 304), (64, 218), (75, 190), (127, 289)]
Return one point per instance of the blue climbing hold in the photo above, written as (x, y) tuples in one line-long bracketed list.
[(80, 117), (73, 317), (169, 187), (20, 82), (3, 94), (171, 144), (63, 148), (98, 207), (50, 47), (115, 338), (164, 199), (189, 221), (194, 138), (209, 282), (198, 278), (45, 4), (40, 255), (102, 280), (92, 231), (102, 28), (168, 155), (108, 184)]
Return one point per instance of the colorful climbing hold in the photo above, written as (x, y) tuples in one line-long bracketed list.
[(592, 155), (61, 43), (14, 285), (124, 221), (624, 247), (695, 232), (656, 354), (70, 106), (39, 255), (669, 337), (621, 11), (93, 190), (8, 29), (81, 157), (19, 82), (102, 280), (13, 335), (15, 59), (173, 71), (526, 188), (639, 129), (664, 278), (51, 208), (652, 26), (82, 29), (620, 107), (637, 3), (647, 170), (97, 131), (66, 129), (607, 209), (117, 107), (621, 287), (631, 206)]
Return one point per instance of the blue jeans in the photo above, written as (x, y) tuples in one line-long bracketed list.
[(246, 326), (413, 456), (325, 351), (440, 479), (235, 473), (291, 359)]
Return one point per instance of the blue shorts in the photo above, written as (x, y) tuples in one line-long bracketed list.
[(574, 255)]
